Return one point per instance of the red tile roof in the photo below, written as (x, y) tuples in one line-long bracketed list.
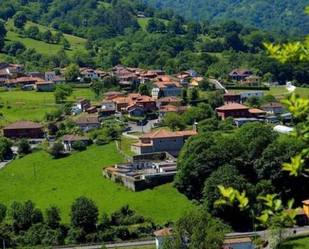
[(164, 232), (169, 99), (173, 108), (23, 125), (232, 106), (164, 84), (142, 144), (256, 111), (306, 202), (237, 240), (231, 94), (167, 134)]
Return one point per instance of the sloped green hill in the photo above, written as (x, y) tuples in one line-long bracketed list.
[(268, 14)]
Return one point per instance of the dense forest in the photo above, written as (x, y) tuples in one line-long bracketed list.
[(279, 14), (164, 40)]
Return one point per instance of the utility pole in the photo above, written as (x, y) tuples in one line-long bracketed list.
[(3, 240), (34, 173)]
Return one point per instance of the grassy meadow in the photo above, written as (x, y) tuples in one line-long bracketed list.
[(32, 105), (144, 21), (299, 242), (77, 43), (61, 181)]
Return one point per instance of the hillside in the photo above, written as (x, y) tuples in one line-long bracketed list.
[(61, 181), (76, 43), (267, 14)]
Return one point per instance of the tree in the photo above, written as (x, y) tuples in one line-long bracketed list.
[(20, 20), (143, 89), (193, 94), (174, 121), (79, 146), (253, 102), (184, 95), (56, 150), (205, 85), (15, 48), (3, 210), (62, 92), (65, 43), (24, 147), (53, 217), (197, 230), (72, 72), (84, 214), (5, 148), (32, 32), (47, 36), (24, 215)]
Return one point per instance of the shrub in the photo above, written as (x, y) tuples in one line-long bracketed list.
[(56, 150), (24, 146), (102, 140), (79, 146)]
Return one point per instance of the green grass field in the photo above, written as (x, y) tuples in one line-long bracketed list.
[(144, 21), (279, 91), (126, 143), (295, 243), (77, 43), (61, 181), (32, 105)]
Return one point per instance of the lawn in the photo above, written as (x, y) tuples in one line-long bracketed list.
[(77, 43), (32, 105), (126, 143), (143, 22), (61, 181), (299, 242)]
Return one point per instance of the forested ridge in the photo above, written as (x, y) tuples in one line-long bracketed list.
[(116, 34), (267, 14)]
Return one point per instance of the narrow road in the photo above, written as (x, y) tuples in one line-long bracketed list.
[(218, 84), (289, 232)]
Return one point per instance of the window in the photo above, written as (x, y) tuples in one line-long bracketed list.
[(174, 140)]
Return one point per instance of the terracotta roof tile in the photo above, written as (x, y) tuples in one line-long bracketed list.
[(232, 106), (164, 232), (272, 104), (74, 138), (256, 111), (237, 240), (88, 120)]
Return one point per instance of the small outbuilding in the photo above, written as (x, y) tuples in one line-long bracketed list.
[(283, 129)]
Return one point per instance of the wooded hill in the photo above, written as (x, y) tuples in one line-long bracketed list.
[(267, 14)]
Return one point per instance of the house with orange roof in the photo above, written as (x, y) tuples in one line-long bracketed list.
[(165, 89), (169, 101), (234, 110), (148, 103), (162, 141), (171, 108), (231, 98), (161, 235)]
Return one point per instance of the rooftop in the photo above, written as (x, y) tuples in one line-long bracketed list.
[(88, 120), (237, 240), (23, 125), (272, 104), (232, 106), (164, 232), (162, 133), (74, 138)]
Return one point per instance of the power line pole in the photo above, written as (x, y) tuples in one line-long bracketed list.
[(34, 172)]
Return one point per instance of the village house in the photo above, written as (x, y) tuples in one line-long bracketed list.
[(83, 104), (23, 129), (52, 76), (44, 86), (68, 140), (169, 101), (108, 108), (165, 89), (238, 243), (148, 103), (245, 95), (170, 108), (88, 123), (162, 235), (161, 141), (273, 108), (135, 110), (252, 81), (240, 74), (195, 81), (91, 110), (234, 110), (231, 98)]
